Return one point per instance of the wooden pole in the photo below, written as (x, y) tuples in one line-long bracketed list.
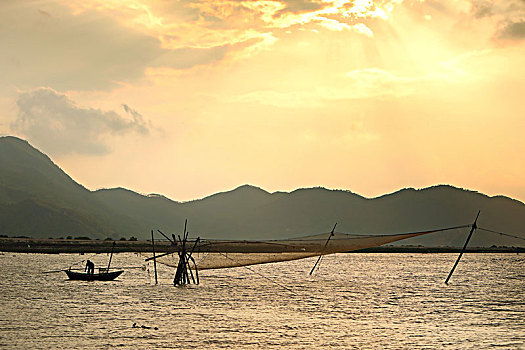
[(186, 271), (181, 267), (183, 272), (111, 256), (162, 233), (160, 256), (320, 256), (176, 278), (474, 226), (179, 274), (154, 258), (185, 260), (196, 269), (182, 264), (194, 263)]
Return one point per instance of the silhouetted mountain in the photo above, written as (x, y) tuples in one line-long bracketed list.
[(38, 199)]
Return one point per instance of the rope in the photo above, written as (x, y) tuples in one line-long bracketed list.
[(87, 258), (258, 273), (390, 234), (301, 239), (500, 233)]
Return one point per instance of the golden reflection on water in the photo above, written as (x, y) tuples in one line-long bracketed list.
[(387, 301)]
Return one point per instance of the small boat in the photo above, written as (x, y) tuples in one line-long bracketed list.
[(102, 276), (103, 273)]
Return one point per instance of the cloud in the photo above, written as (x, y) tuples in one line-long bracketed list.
[(360, 84), (513, 30), (481, 8), (189, 57), (99, 45), (363, 29), (137, 118), (54, 46), (56, 124), (298, 6), (87, 51), (508, 14), (210, 23)]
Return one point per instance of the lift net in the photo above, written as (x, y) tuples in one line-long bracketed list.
[(218, 254)]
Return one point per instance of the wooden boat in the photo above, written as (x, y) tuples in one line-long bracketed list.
[(103, 273), (103, 276)]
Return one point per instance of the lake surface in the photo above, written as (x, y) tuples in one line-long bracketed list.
[(353, 301)]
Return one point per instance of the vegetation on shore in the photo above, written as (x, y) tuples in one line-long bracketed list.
[(56, 246)]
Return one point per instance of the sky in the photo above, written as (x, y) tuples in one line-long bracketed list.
[(187, 98)]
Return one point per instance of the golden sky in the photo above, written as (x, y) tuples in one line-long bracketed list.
[(188, 98)]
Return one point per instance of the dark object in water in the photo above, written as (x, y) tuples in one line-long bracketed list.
[(81, 276), (143, 327)]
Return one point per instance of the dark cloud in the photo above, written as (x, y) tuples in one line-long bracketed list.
[(482, 8), (298, 6), (138, 120), (56, 124), (513, 30)]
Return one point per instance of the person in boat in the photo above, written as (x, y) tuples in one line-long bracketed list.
[(90, 267)]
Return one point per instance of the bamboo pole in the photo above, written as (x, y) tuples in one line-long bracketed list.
[(320, 256), (196, 269), (159, 256), (191, 258), (154, 258), (111, 256), (188, 268), (162, 233), (184, 274), (474, 226)]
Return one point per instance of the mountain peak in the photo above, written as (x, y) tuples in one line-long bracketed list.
[(9, 138), (25, 166), (14, 144), (248, 187), (243, 191)]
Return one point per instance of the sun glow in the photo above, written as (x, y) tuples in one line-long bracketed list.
[(385, 94), (230, 22)]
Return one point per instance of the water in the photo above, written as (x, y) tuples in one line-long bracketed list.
[(354, 301)]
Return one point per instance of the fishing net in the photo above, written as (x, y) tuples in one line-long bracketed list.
[(217, 254)]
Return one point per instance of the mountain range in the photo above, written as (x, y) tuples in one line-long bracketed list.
[(38, 199)]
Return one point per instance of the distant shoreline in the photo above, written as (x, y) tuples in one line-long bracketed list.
[(418, 249), (57, 246)]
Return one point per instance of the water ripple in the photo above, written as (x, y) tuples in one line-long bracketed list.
[(354, 301)]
